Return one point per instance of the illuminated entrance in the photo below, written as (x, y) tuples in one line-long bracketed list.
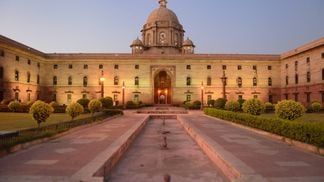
[(162, 88)]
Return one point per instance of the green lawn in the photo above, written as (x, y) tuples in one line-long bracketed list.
[(15, 121), (308, 117)]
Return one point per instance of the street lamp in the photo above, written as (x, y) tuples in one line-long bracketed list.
[(123, 101), (102, 81), (224, 78), (202, 95)]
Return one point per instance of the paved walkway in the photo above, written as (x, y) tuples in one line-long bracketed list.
[(256, 155), (59, 159)]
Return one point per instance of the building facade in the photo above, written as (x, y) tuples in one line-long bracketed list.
[(162, 69)]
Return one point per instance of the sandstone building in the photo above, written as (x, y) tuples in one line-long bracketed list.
[(162, 69)]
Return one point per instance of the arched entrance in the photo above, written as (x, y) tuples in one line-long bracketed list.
[(162, 88)]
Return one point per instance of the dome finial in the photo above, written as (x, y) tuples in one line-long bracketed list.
[(163, 3)]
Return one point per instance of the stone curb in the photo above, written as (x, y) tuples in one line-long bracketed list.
[(27, 145), (301, 145), (107, 159), (232, 167)]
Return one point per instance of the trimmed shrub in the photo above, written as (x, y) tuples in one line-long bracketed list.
[(196, 105), (131, 105), (289, 109), (253, 106), (94, 106), (107, 102), (311, 133), (74, 110), (7, 101), (316, 106), (83, 102), (40, 111), (211, 103), (14, 106), (220, 103), (54, 104), (232, 105), (268, 107)]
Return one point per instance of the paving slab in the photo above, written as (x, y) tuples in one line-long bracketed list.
[(256, 155), (61, 158)]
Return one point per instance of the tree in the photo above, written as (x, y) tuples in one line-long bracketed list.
[(74, 110), (84, 102), (232, 105), (94, 106), (40, 111), (107, 102), (14, 106), (289, 109), (253, 106)]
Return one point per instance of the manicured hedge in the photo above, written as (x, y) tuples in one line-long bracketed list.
[(311, 133)]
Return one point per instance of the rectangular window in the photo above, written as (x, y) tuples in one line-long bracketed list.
[(286, 66), (224, 67), (1, 72), (17, 58), (308, 60), (270, 99), (239, 67), (209, 98), (255, 96), (188, 99), (38, 79), (70, 66), (254, 67), (323, 74), (100, 66), (188, 67), (296, 97), (286, 96), (308, 97), (28, 96), (55, 66), (136, 98), (84, 96), (296, 65), (322, 97), (308, 75), (115, 98), (69, 98), (240, 97), (54, 97), (85, 66), (322, 55), (209, 67), (287, 80), (116, 66), (296, 79), (137, 67), (38, 65), (29, 62), (269, 67), (2, 53)]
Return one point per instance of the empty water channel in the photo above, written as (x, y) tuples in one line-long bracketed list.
[(163, 151)]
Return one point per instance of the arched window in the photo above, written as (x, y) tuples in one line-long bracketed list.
[(16, 75), (28, 77), (269, 81), (136, 80), (54, 80), (38, 79), (209, 81), (116, 80), (85, 81), (70, 80), (287, 80), (1, 72), (296, 78), (148, 39), (239, 82), (188, 81), (255, 81)]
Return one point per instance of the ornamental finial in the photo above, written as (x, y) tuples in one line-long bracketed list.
[(163, 3)]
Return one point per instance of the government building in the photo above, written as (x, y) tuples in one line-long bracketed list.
[(162, 68)]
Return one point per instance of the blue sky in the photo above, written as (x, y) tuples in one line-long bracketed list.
[(215, 26)]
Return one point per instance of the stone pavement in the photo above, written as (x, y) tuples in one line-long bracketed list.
[(60, 159), (256, 157)]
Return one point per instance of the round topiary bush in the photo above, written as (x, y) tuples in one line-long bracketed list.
[(83, 102), (232, 106), (107, 102), (6, 101), (316, 106), (40, 111), (220, 103), (94, 106), (253, 106), (196, 105), (14, 106), (74, 110), (131, 105), (211, 103), (54, 104), (289, 109), (268, 107)]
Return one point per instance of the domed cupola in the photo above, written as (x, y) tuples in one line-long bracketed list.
[(137, 46), (162, 33), (188, 47)]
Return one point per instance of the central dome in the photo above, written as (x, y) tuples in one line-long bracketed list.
[(162, 14)]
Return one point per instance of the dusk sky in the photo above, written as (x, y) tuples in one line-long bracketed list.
[(215, 26)]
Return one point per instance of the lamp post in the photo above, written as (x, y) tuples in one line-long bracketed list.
[(102, 81), (123, 99), (224, 78), (202, 95)]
